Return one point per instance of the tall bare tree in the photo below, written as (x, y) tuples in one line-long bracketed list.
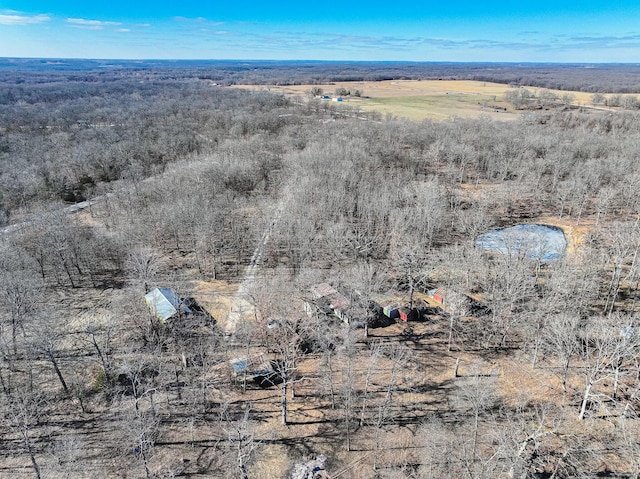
[(144, 263), (242, 441), (477, 392), (605, 347)]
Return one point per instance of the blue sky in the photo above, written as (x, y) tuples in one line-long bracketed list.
[(511, 31)]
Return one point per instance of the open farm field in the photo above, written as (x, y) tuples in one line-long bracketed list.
[(423, 99)]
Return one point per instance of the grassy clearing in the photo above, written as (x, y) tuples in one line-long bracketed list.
[(416, 100), (426, 99), (439, 107)]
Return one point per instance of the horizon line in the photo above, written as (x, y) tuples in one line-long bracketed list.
[(311, 60)]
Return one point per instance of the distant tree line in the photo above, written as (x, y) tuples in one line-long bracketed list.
[(593, 78), (525, 99)]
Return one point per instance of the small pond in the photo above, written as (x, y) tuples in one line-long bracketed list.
[(538, 242)]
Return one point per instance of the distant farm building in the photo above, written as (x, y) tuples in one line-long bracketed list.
[(165, 303), (353, 308)]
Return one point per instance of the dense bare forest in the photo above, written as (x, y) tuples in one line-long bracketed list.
[(593, 78), (244, 204)]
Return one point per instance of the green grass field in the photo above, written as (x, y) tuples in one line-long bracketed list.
[(439, 107)]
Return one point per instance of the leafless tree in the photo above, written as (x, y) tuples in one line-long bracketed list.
[(567, 98), (286, 343), (24, 409), (139, 431), (457, 306), (605, 347), (68, 461), (20, 293), (625, 245), (375, 354), (100, 337), (412, 273), (364, 280), (47, 334), (144, 263), (477, 392), (520, 98), (521, 431), (398, 356), (508, 287), (446, 453), (242, 441), (348, 391), (437, 442), (631, 441), (139, 418), (562, 337)]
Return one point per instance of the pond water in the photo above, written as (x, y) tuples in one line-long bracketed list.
[(538, 242)]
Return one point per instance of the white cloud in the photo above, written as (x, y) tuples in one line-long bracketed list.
[(123, 30), (12, 19), (199, 20), (90, 24)]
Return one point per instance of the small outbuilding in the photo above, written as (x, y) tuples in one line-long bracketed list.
[(327, 300), (446, 296), (257, 368), (252, 366), (472, 303), (391, 311), (407, 314), (165, 303)]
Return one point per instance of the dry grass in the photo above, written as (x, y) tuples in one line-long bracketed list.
[(273, 464), (219, 298), (574, 233), (424, 99), (519, 380)]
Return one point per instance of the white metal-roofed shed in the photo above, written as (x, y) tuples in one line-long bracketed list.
[(165, 303)]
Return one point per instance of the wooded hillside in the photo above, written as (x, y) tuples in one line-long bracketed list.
[(242, 203)]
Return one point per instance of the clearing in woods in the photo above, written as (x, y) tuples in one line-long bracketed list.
[(424, 99)]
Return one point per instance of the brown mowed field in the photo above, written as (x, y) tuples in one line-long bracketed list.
[(423, 99)]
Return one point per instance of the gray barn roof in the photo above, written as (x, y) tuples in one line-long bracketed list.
[(165, 302)]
